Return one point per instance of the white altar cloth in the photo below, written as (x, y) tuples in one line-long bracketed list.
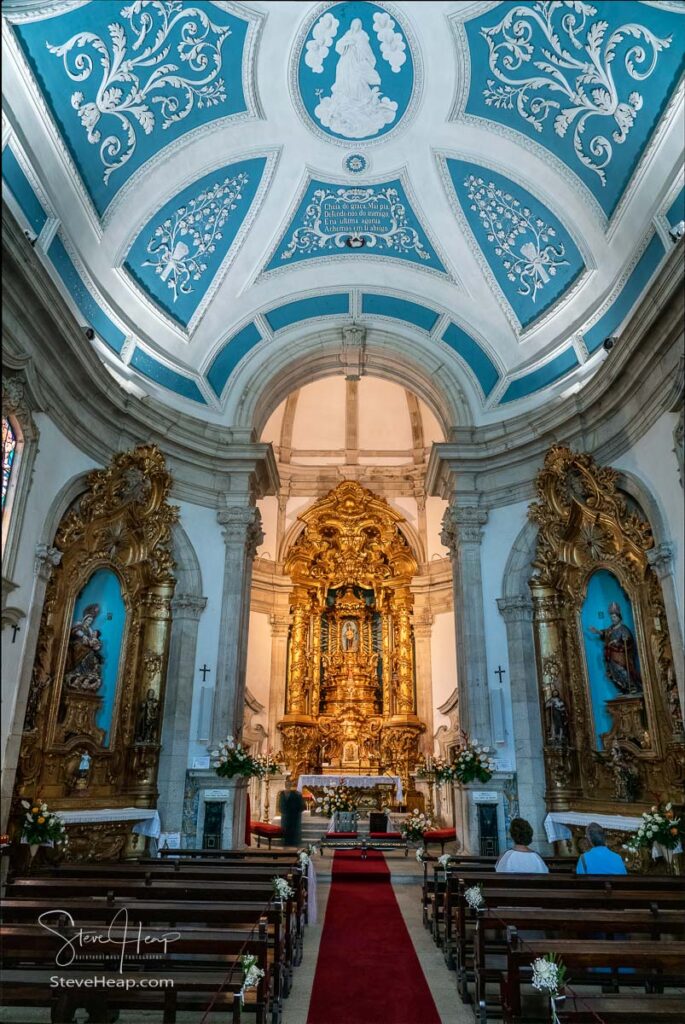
[(557, 822), (353, 781), (146, 818)]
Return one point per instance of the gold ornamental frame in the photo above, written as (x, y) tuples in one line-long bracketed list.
[(122, 523), (585, 526)]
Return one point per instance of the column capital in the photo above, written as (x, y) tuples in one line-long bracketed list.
[(462, 524), (188, 606), (45, 561), (241, 524), (661, 559), (516, 609)]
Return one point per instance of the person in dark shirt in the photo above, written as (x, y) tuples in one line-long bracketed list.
[(292, 805)]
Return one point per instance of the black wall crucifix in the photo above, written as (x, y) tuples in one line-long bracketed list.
[(205, 669), (499, 671), (15, 630)]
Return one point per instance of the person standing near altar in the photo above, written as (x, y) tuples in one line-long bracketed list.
[(291, 805), (599, 859)]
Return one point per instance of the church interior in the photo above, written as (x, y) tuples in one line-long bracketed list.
[(342, 512)]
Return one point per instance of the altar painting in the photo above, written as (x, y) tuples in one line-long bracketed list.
[(609, 639), (95, 644)]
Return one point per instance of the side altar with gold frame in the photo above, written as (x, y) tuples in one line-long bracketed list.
[(612, 721), (351, 695), (91, 736)]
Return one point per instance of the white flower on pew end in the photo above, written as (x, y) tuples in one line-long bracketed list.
[(548, 974), (282, 890), (253, 974), (303, 858), (444, 860), (419, 854), (474, 897)]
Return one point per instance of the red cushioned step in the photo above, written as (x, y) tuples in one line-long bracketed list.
[(262, 828), (441, 833), (341, 835), (385, 835)]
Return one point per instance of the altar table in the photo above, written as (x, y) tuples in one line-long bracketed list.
[(557, 823), (146, 819), (353, 781)]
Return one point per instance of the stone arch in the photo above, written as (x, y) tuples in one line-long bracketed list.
[(518, 569), (279, 366)]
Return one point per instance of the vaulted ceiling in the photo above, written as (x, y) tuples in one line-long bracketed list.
[(210, 180)]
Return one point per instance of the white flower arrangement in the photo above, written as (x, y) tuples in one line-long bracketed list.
[(303, 858), (415, 825), (253, 974), (548, 976), (420, 854), (444, 860), (474, 897), (473, 762), (658, 825), (42, 826), (336, 798), (231, 759), (282, 890)]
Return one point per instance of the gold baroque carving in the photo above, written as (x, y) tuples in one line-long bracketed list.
[(121, 523), (584, 525)]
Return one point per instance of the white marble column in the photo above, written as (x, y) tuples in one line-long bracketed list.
[(517, 613), (45, 561), (461, 534), (423, 627), (242, 535), (661, 560), (186, 610)]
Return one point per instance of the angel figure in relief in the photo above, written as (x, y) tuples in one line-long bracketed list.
[(355, 108)]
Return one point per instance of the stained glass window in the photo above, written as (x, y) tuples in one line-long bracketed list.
[(9, 447)]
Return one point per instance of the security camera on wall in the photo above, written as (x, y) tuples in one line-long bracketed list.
[(89, 333), (609, 343)]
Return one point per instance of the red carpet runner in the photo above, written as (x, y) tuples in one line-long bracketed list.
[(367, 971)]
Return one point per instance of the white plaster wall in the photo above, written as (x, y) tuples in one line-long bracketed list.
[(408, 508), (204, 533), (443, 664), (320, 415), (294, 508), (499, 534), (258, 676), (384, 422), (432, 431), (652, 460), (58, 461)]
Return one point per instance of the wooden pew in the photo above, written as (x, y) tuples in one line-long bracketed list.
[(247, 853), (171, 915), (493, 925), (622, 1009), (655, 964), (198, 962)]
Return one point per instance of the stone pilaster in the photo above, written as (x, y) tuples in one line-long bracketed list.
[(462, 530), (46, 558), (423, 628), (186, 610), (661, 560), (279, 657), (517, 613), (242, 534)]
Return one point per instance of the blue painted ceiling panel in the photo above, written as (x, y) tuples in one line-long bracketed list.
[(226, 360), (22, 190)]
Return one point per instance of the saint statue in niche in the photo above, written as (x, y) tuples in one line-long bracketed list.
[(557, 719), (148, 717), (84, 660), (350, 636), (620, 659), (355, 108)]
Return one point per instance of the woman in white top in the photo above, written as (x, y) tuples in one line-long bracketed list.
[(521, 860)]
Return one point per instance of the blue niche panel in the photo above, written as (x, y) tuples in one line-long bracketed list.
[(355, 72), (97, 630), (531, 254), (123, 80), (587, 81), (371, 220), (179, 251), (610, 644)]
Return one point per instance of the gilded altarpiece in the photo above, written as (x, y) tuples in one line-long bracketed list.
[(91, 737), (612, 719), (350, 698)]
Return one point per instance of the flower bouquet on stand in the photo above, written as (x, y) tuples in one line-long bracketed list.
[(472, 763), (336, 798), (549, 975), (662, 832), (231, 760), (414, 826), (42, 827)]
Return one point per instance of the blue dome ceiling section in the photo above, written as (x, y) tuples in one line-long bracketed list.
[(355, 72), (181, 254), (345, 221), (586, 81), (531, 255), (122, 81)]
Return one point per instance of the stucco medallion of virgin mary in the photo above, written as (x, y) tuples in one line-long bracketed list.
[(355, 71)]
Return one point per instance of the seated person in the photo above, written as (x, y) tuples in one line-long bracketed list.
[(599, 860), (521, 859)]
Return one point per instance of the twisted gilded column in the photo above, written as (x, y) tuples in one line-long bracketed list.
[(462, 531), (242, 533), (661, 560)]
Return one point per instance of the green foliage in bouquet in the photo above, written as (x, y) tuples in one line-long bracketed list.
[(472, 763), (41, 825), (659, 825), (415, 825), (336, 798), (231, 760)]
